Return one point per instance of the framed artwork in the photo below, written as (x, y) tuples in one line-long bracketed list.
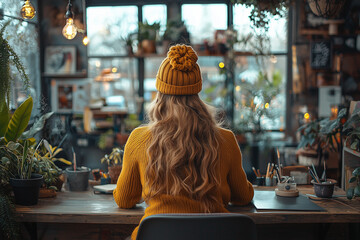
[(60, 59), (70, 96), (321, 55)]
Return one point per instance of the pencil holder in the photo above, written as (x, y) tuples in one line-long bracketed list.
[(259, 181), (324, 189), (269, 181)]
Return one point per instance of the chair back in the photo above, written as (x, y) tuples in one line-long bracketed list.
[(214, 226)]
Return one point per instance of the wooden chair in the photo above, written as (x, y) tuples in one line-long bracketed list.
[(214, 226)]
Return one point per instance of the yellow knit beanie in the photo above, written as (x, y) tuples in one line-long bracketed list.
[(179, 74)]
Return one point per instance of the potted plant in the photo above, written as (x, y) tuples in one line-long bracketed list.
[(53, 176), (147, 37), (129, 41), (21, 158), (78, 177), (175, 32), (114, 162)]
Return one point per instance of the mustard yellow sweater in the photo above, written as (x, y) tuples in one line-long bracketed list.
[(131, 188)]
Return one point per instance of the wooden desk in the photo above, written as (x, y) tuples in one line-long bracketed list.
[(90, 208)]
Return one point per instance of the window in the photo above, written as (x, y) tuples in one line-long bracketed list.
[(260, 103), (199, 23), (23, 38), (155, 13), (107, 33)]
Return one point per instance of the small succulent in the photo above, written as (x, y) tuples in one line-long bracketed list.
[(353, 192)]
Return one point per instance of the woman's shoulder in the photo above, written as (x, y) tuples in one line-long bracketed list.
[(226, 133), (138, 136)]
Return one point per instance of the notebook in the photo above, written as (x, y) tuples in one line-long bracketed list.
[(106, 188), (267, 200)]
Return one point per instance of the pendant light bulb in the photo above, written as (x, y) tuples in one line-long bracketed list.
[(85, 40), (70, 30), (27, 11)]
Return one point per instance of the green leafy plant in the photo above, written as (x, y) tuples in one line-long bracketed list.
[(353, 192), (176, 31), (148, 31), (114, 158), (352, 131), (8, 57), (20, 157), (261, 11)]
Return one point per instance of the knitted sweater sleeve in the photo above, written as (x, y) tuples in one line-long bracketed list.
[(242, 191), (128, 188)]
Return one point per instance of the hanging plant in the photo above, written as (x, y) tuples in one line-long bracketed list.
[(262, 11), (8, 57)]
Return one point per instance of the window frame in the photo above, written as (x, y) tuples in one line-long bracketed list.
[(229, 82)]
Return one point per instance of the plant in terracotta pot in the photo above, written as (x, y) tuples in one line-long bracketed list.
[(114, 162), (147, 37)]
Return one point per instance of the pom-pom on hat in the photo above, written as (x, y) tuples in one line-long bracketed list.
[(179, 74)]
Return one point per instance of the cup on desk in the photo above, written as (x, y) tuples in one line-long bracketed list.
[(259, 181)]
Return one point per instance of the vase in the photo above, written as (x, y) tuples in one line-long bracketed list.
[(26, 191), (78, 180), (114, 172)]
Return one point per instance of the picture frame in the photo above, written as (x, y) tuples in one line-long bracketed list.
[(321, 54), (70, 96), (60, 60)]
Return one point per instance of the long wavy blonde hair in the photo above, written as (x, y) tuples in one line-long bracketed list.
[(183, 152)]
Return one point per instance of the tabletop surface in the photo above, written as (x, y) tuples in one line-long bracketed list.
[(87, 207)]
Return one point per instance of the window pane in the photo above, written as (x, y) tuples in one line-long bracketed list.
[(23, 39), (155, 13), (257, 101), (213, 90), (107, 27), (277, 29), (213, 82), (114, 77), (200, 23)]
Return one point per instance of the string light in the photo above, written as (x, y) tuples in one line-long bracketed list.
[(306, 115), (85, 40), (267, 105), (221, 65), (27, 11), (70, 30)]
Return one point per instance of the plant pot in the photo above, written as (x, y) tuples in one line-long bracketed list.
[(148, 46), (324, 189), (78, 180), (26, 191), (114, 172), (58, 182)]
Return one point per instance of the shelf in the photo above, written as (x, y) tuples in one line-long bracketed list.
[(66, 75)]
